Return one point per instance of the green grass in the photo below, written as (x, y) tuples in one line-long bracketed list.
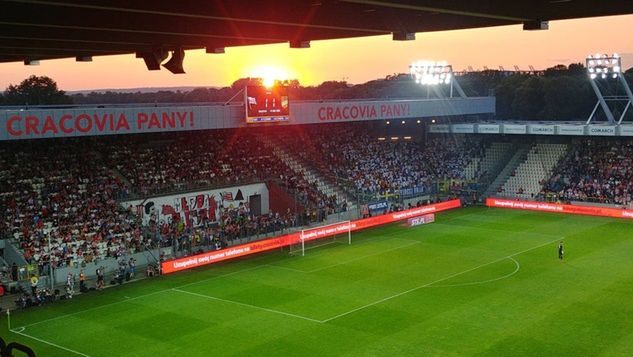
[(477, 282)]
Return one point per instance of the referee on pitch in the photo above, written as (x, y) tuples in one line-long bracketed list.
[(561, 250)]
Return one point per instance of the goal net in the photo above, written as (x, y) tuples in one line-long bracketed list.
[(335, 233)]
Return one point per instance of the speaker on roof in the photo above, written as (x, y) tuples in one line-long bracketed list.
[(174, 65), (153, 59)]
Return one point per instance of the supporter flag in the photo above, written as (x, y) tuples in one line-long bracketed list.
[(213, 204), (169, 210), (227, 196), (239, 196), (184, 205), (199, 201)]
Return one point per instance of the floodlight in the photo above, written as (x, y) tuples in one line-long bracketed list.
[(605, 65), (431, 73)]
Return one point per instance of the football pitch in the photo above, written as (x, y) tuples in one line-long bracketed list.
[(478, 281)]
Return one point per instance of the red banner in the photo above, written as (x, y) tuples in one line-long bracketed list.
[(363, 111), (560, 208), (73, 123), (216, 256)]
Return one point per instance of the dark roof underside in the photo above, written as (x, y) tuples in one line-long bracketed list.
[(35, 30)]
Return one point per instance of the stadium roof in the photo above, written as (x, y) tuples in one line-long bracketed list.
[(46, 29)]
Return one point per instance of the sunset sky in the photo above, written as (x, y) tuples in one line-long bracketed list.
[(354, 60)]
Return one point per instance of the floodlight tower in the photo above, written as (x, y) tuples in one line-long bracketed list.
[(608, 67), (433, 74)]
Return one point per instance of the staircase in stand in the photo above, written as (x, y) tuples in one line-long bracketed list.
[(311, 175), (526, 180), (508, 157)]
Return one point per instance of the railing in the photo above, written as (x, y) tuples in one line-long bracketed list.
[(554, 197)]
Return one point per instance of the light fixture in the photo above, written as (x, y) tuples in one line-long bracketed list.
[(174, 65), (431, 73), (299, 44), (153, 59), (215, 50), (604, 66)]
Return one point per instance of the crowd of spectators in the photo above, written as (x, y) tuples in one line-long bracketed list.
[(59, 197), (204, 159), (355, 155), (211, 158), (234, 224), (67, 191), (596, 171)]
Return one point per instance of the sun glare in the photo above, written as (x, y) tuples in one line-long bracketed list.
[(269, 74)]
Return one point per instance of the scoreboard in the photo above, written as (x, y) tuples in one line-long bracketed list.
[(266, 105)]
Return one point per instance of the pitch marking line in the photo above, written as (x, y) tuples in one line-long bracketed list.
[(178, 287), (247, 305), (19, 332), (516, 270), (345, 262), (435, 282), (20, 329), (141, 296)]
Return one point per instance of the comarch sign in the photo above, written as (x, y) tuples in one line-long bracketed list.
[(601, 130), (463, 128), (541, 129), (626, 130), (440, 128), (570, 130), (514, 129), (488, 128)]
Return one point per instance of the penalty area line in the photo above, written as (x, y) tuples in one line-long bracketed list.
[(347, 261), (437, 281), (248, 305), (142, 296), (20, 331)]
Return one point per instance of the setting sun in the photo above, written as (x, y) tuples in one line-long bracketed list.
[(269, 74)]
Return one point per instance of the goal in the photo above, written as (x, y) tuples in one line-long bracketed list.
[(335, 233)]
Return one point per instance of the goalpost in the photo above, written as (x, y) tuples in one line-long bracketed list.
[(310, 238)]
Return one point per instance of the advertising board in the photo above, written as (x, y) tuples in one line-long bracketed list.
[(237, 251)]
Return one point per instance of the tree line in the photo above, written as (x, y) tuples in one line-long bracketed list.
[(558, 93)]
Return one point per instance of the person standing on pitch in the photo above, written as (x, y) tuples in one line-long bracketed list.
[(561, 250)]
